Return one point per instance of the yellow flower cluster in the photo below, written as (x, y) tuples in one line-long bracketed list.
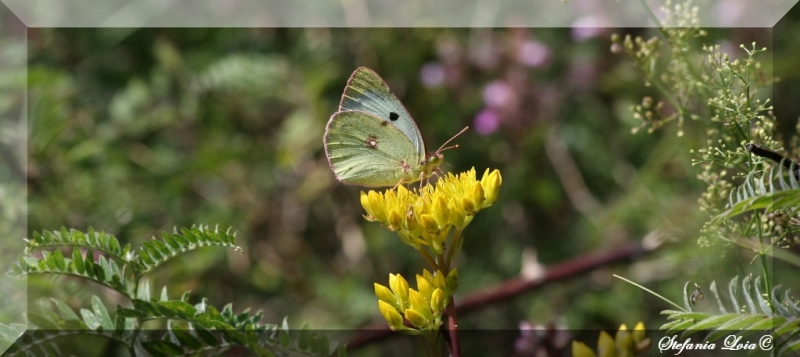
[(423, 307), (626, 343), (426, 216)]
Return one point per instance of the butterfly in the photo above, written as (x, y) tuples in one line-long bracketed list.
[(372, 140), (774, 156)]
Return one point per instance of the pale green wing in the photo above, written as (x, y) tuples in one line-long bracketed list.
[(365, 150), (366, 91)]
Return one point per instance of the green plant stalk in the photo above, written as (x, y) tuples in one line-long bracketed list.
[(455, 246), (658, 86), (651, 292), (425, 255), (763, 258), (670, 99), (652, 16), (432, 341)]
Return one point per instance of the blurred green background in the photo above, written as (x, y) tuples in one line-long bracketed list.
[(138, 131)]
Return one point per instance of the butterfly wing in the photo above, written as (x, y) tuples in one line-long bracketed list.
[(366, 91), (366, 150)]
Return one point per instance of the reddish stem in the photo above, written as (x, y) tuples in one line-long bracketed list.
[(452, 328)]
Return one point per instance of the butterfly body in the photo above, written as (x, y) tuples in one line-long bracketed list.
[(774, 156), (372, 140)]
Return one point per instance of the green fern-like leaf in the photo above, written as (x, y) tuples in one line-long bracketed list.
[(99, 241), (155, 252), (756, 315), (63, 324), (777, 190), (780, 200), (103, 271), (192, 329), (106, 262), (111, 268), (204, 328)]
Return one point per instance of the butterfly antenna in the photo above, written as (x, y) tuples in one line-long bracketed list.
[(451, 139)]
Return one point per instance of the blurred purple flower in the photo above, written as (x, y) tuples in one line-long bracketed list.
[(432, 74), (533, 53), (497, 94), (541, 340), (523, 344), (586, 27), (487, 121)]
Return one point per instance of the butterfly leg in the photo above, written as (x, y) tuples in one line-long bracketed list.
[(434, 173), (423, 179), (399, 183)]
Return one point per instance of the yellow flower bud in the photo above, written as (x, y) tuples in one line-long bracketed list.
[(429, 223), (440, 212), (639, 339), (638, 333), (391, 315), (427, 275), (579, 349), (395, 220), (399, 287), (476, 195), (606, 346), (439, 281), (384, 294), (467, 205), (424, 286), (365, 203), (624, 342), (378, 210), (415, 229), (485, 178), (438, 301), (452, 280), (419, 303), (416, 319), (491, 186)]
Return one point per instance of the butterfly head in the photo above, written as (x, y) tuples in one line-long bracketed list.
[(433, 160)]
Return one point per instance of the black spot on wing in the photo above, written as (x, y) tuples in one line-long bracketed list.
[(394, 116)]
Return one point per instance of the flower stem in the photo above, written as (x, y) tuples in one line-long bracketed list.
[(452, 328), (428, 258), (432, 341), (451, 252)]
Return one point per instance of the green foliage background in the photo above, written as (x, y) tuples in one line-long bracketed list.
[(137, 131)]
